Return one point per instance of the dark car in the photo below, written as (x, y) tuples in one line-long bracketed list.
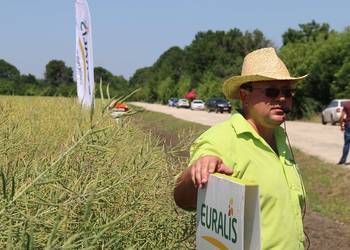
[(218, 104)]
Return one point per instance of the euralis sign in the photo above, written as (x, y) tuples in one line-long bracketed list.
[(218, 222), (228, 214)]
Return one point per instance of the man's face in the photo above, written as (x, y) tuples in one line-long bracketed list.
[(267, 101)]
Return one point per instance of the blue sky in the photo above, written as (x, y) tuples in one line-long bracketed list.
[(131, 34)]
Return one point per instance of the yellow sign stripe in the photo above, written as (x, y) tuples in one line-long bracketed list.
[(84, 61), (215, 242)]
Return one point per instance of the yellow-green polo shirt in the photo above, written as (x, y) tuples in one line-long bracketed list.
[(280, 186)]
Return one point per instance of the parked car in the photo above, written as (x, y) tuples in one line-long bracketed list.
[(183, 103), (219, 105), (172, 102), (197, 104), (331, 113)]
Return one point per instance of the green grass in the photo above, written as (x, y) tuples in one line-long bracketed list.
[(327, 185), (170, 129), (315, 118), (65, 184)]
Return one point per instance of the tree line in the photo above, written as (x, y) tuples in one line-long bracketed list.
[(213, 56), (313, 48), (58, 81)]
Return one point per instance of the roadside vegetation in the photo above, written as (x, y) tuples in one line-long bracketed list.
[(315, 118), (327, 185), (65, 184)]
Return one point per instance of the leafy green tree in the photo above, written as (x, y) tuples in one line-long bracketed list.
[(118, 86), (313, 30), (307, 32), (121, 85), (217, 54), (102, 73), (144, 78), (221, 53), (9, 76), (254, 40), (340, 87), (29, 79), (8, 71), (66, 89), (170, 64), (141, 76), (28, 85), (7, 87), (211, 87), (165, 90), (184, 86), (56, 73), (326, 61)]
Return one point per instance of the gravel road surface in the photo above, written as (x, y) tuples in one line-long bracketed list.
[(323, 141)]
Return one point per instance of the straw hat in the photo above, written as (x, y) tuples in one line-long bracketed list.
[(259, 65)]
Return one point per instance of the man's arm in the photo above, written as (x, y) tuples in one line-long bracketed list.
[(342, 120), (194, 177)]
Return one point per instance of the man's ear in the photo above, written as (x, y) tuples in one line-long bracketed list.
[(243, 94)]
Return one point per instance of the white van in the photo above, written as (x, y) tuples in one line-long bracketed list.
[(331, 113)]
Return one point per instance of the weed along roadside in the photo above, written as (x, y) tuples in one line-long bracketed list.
[(327, 220), (109, 191)]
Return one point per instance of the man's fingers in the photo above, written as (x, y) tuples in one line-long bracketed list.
[(206, 165), (198, 175), (209, 166), (204, 171), (213, 165), (193, 175), (222, 168)]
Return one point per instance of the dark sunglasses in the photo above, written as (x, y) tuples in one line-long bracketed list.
[(273, 92)]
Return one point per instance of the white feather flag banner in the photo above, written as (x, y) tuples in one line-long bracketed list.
[(84, 66)]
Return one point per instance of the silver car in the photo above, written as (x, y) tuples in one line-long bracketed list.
[(331, 113), (182, 103), (197, 104)]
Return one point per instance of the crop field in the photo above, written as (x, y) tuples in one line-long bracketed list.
[(68, 183)]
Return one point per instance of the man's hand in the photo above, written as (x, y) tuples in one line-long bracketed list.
[(206, 165), (195, 176)]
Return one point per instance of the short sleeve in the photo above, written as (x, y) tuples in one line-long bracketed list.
[(207, 144)]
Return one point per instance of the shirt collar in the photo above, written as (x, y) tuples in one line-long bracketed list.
[(241, 126)]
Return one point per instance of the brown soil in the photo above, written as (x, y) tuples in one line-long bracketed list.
[(323, 233), (326, 234)]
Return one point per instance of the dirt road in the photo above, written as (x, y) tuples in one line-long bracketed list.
[(325, 142)]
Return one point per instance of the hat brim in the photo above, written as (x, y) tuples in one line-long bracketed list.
[(231, 85)]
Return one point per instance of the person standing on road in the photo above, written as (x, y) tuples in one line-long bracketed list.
[(252, 146), (345, 127)]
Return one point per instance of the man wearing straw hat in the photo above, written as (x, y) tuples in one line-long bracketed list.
[(253, 146)]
